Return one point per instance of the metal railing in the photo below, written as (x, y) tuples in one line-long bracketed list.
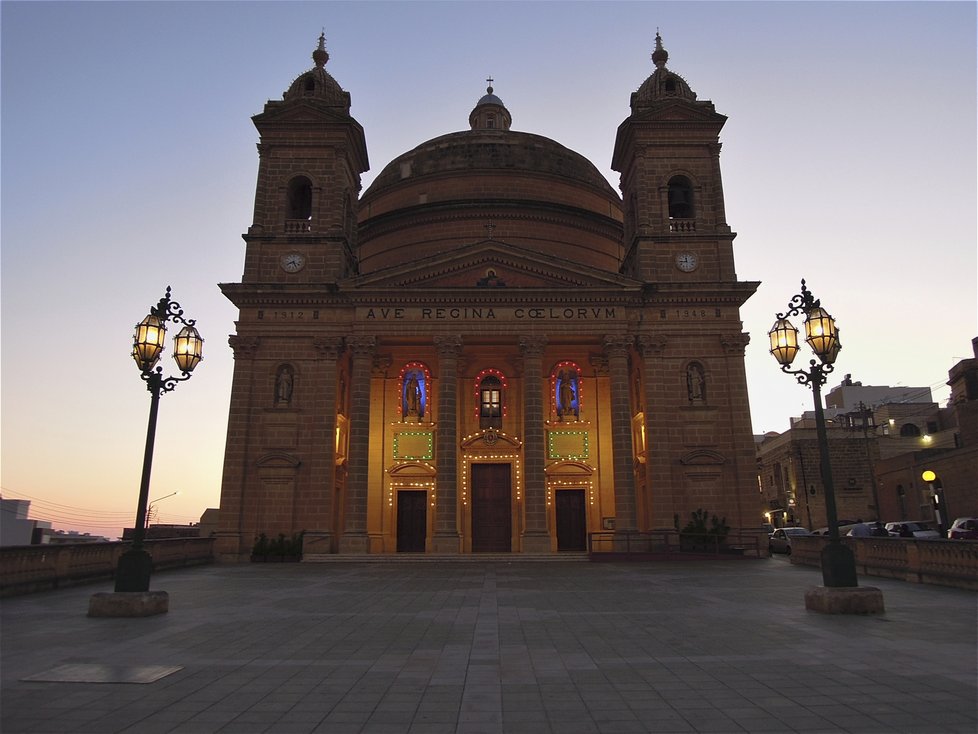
[(667, 544)]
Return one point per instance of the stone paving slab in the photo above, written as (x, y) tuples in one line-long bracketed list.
[(480, 647)]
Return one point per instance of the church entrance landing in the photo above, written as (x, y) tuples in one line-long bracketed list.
[(571, 520), (411, 521), (492, 516)]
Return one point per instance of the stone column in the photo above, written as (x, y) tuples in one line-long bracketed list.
[(354, 538), (233, 539), (743, 452), (659, 487), (536, 536), (319, 533), (447, 538), (616, 348)]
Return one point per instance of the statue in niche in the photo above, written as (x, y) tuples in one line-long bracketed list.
[(696, 383), (413, 406), (567, 394), (283, 385)]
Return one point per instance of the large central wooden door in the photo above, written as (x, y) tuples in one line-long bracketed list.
[(571, 515), (412, 521), (492, 514)]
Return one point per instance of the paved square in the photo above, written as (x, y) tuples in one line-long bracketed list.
[(471, 647)]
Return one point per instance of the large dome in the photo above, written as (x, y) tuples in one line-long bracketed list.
[(490, 183)]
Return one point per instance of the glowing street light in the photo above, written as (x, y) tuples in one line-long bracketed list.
[(135, 565), (822, 336)]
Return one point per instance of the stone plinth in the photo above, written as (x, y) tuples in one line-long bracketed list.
[(844, 600), (128, 604)]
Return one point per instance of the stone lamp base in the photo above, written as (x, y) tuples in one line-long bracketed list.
[(844, 600)]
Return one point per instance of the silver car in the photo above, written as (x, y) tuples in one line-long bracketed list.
[(780, 540)]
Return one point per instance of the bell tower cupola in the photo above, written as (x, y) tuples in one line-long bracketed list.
[(668, 154), (311, 154)]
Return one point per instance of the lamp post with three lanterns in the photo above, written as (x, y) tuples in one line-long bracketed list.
[(135, 565)]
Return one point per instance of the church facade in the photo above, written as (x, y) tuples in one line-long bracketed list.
[(489, 349)]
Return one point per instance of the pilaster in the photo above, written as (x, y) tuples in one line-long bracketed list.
[(536, 537), (354, 538), (616, 347), (447, 538)]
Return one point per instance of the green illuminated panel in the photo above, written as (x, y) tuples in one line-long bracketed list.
[(568, 444), (414, 445)]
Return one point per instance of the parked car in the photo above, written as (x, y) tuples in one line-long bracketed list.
[(914, 529), (780, 540), (844, 526), (964, 528), (873, 529)]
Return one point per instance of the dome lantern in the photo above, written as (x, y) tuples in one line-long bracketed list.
[(490, 113)]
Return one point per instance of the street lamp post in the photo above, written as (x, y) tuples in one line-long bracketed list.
[(822, 335), (135, 565), (153, 503)]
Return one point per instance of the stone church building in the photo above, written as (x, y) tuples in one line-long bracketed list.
[(489, 349)]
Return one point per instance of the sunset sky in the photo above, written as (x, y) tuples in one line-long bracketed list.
[(129, 164)]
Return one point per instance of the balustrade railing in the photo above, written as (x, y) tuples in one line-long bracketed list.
[(28, 568), (919, 560), (297, 226), (682, 225)]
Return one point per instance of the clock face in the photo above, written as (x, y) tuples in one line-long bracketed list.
[(293, 262), (686, 261)]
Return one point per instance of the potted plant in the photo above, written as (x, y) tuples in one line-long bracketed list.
[(703, 532)]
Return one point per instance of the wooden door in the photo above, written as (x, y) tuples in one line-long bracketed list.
[(492, 514), (412, 521), (571, 512)]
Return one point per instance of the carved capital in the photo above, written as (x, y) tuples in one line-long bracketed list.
[(616, 345), (243, 346), (361, 346), (328, 347), (650, 345), (448, 346), (532, 347), (734, 343), (381, 364), (599, 363)]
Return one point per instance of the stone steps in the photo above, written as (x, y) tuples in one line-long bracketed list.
[(445, 557)]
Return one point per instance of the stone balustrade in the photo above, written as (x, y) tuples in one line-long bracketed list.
[(919, 560), (28, 568)]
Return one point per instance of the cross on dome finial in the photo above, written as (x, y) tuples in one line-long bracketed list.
[(489, 81), (659, 56), (320, 56)]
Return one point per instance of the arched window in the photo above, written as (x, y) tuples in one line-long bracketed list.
[(299, 198), (909, 430), (491, 402), (681, 198)]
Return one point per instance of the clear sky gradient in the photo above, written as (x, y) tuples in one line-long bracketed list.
[(129, 164)]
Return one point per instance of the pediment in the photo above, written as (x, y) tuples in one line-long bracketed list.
[(702, 457), (299, 112), (678, 110), (490, 265), (490, 439)]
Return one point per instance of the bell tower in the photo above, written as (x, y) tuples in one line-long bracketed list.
[(691, 339), (311, 153), (668, 154)]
